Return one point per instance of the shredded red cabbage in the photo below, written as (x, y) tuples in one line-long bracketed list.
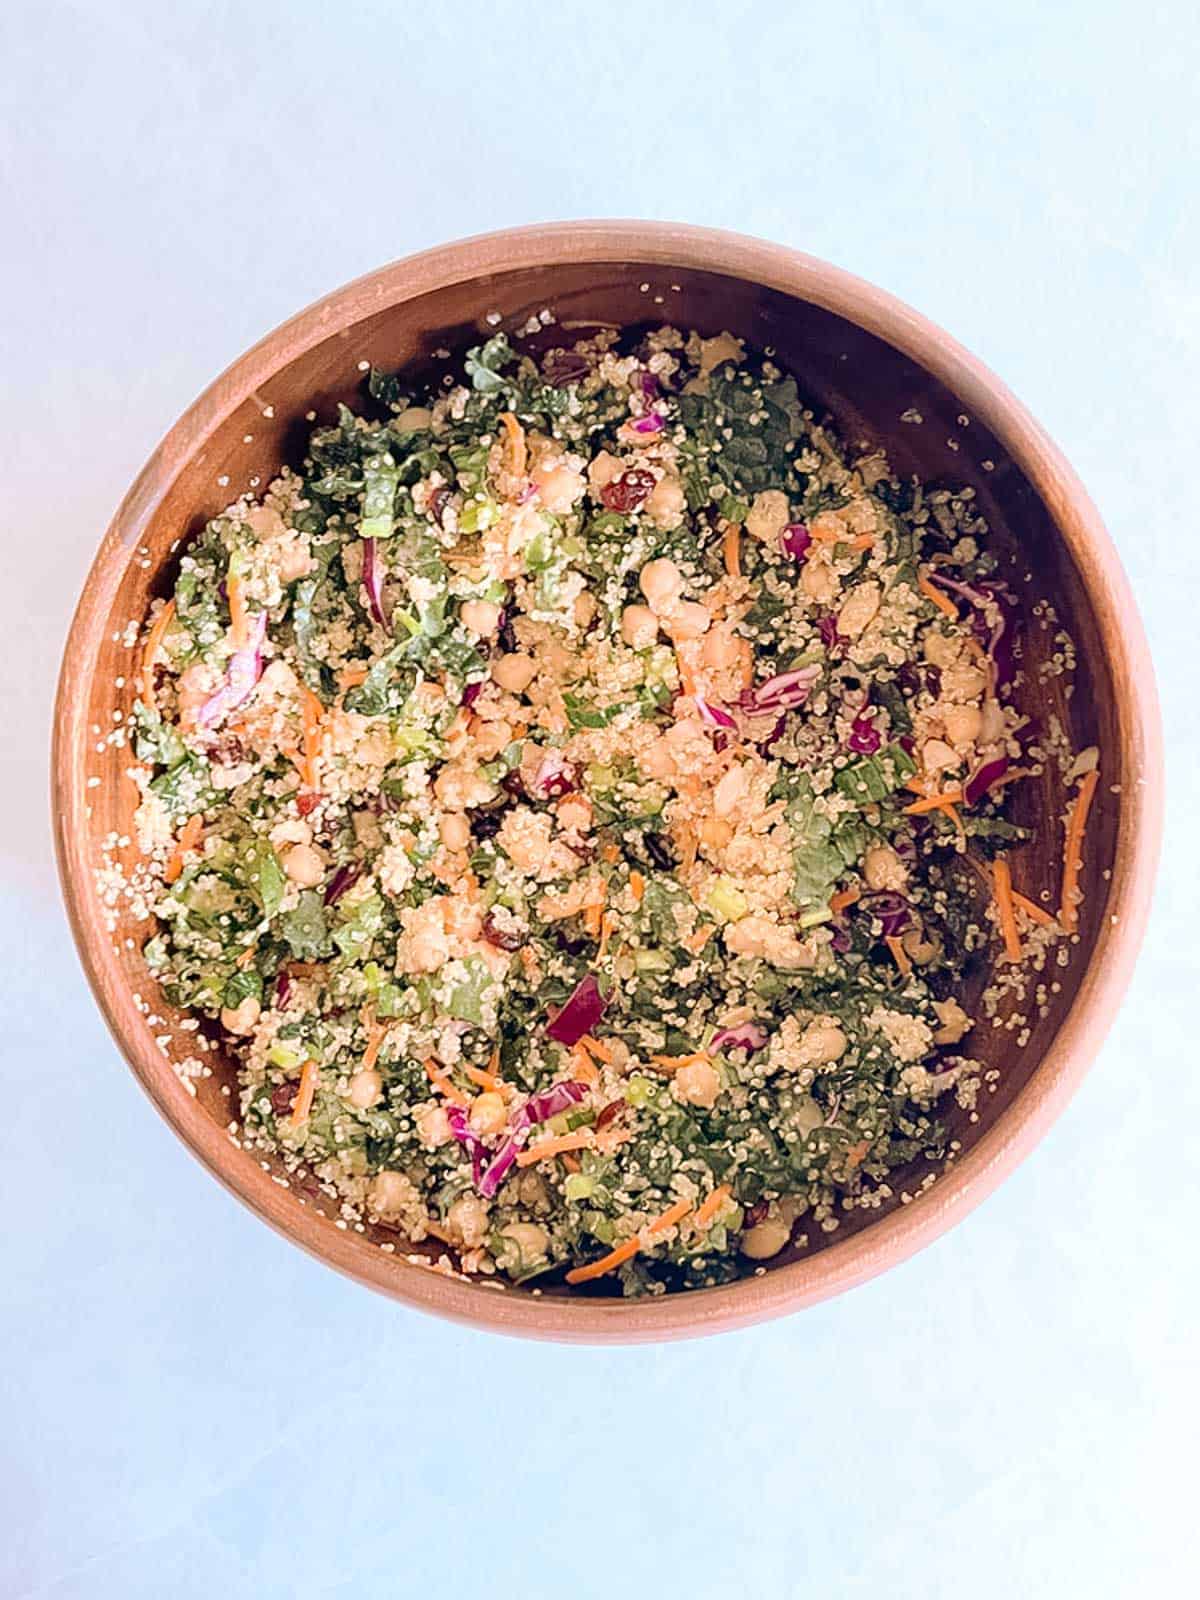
[(538, 1108), (745, 1036), (865, 738), (344, 878), (242, 674), (830, 637), (650, 423), (283, 990), (460, 1127), (995, 619), (715, 716), (982, 779), (580, 1014), (372, 579), (795, 540), (555, 776), (784, 692), (892, 909), (471, 693)]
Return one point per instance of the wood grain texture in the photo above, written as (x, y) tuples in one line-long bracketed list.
[(856, 352)]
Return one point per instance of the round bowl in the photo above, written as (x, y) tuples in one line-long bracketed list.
[(888, 377)]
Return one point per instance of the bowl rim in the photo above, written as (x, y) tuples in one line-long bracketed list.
[(882, 1244)]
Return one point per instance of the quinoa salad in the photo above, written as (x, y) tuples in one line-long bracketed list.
[(578, 800)]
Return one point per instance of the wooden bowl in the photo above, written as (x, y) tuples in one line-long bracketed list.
[(877, 367)]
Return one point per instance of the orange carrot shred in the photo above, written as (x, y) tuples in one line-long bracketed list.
[(1032, 910), (302, 1104), (515, 453), (637, 886), (1002, 892), (189, 838), (442, 1084), (843, 898), (569, 1161), (596, 1047), (484, 1080), (239, 626), (607, 926), (247, 956), (351, 677), (493, 1065), (625, 1252), (899, 955), (934, 802), (733, 550), (154, 639), (583, 1066), (856, 1152), (610, 853), (545, 1148), (673, 1063), (936, 598), (708, 1210), (1068, 913), (695, 942)]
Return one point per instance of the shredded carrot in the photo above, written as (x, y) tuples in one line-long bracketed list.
[(673, 1063), (934, 802), (569, 1161), (695, 942), (865, 541), (442, 1084), (583, 1066), (246, 957), (239, 626), (593, 916), (484, 1080), (607, 927), (515, 453), (189, 838), (687, 679), (947, 809), (844, 897), (689, 846), (899, 955), (917, 785), (1032, 910), (637, 886), (709, 1208), (351, 677), (311, 712), (1068, 913), (545, 1148), (493, 1065), (611, 853), (857, 1151), (597, 1048), (1002, 893), (625, 1252), (733, 550), (154, 639), (936, 598), (302, 1104)]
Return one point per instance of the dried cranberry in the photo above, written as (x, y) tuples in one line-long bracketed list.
[(485, 824), (283, 988), (438, 501), (502, 938), (513, 784), (628, 491), (830, 637), (283, 1097), (229, 751), (755, 1214), (307, 802), (565, 366), (660, 852), (613, 1109)]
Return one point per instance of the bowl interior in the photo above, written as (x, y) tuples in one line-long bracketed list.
[(876, 394)]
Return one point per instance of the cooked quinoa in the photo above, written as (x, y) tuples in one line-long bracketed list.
[(568, 797)]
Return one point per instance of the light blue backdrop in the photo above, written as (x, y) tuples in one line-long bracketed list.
[(193, 1409)]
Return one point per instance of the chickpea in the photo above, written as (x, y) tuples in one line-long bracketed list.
[(819, 582), (666, 503), (918, 947), (459, 788), (574, 813), (991, 728), (941, 649), (514, 672), (721, 648), (529, 1239), (455, 830), (883, 868), (639, 627), (936, 755), (602, 469), (491, 738), (433, 1125), (662, 583), (559, 488), (467, 1218), (304, 865), (391, 1194), (962, 681), (242, 1017), (955, 1023), (715, 833), (768, 1237), (687, 620), (823, 1042), (768, 515), (480, 617), (721, 347), (584, 610), (366, 1087), (532, 1191), (414, 419), (698, 1084), (859, 609), (488, 1113), (962, 724), (731, 790)]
